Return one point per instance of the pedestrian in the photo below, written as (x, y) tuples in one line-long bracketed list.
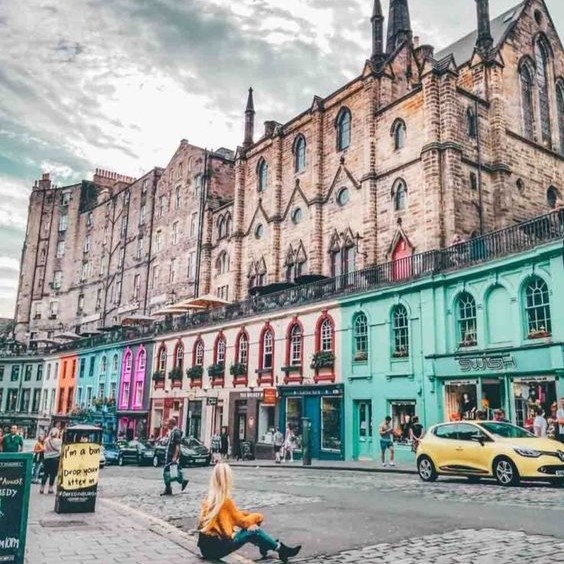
[(278, 441), (499, 416), (51, 457), (219, 517), (416, 432), (216, 447), (560, 420), (539, 424), (172, 471), (387, 440), (1, 439), (289, 443), (224, 444), (38, 451), (551, 429), (13, 442)]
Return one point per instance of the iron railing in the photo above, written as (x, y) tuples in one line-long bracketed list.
[(497, 244)]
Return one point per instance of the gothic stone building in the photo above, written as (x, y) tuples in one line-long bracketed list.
[(421, 149)]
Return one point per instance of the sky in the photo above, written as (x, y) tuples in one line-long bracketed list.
[(116, 84)]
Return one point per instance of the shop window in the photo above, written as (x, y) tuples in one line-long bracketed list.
[(360, 338), (400, 329), (331, 424), (466, 320), (266, 423), (402, 412), (461, 400), (530, 394), (537, 309), (294, 413)]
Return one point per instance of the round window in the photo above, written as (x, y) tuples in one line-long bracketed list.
[(297, 215), (259, 231), (343, 196)]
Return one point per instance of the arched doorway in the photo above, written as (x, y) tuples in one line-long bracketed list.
[(401, 257)]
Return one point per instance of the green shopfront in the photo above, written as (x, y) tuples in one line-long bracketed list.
[(324, 407), (517, 380)]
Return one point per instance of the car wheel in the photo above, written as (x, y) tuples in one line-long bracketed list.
[(474, 479), (120, 460), (156, 461), (505, 472), (426, 469)]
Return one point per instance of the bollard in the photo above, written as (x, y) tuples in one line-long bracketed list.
[(306, 441)]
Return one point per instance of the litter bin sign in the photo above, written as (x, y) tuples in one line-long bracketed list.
[(15, 478), (77, 482), (246, 450)]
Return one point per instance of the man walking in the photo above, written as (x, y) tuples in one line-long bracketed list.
[(278, 444), (387, 440), (172, 471), (13, 442), (560, 420)]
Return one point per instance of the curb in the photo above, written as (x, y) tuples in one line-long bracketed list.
[(168, 531), (404, 471)]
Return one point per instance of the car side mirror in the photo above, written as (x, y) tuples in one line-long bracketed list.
[(479, 439)]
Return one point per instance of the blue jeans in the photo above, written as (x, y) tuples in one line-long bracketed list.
[(213, 547)]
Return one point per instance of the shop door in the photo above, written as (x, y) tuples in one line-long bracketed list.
[(363, 430), (240, 431)]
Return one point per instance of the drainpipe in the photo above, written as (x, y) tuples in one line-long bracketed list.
[(203, 199), (480, 186)]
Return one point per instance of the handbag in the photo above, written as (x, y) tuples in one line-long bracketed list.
[(173, 471)]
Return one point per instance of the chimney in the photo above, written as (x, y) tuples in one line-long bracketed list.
[(484, 43), (249, 121)]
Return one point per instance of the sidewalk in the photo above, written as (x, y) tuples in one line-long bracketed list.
[(114, 533), (348, 466)]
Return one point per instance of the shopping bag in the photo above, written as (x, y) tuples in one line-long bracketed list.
[(173, 471)]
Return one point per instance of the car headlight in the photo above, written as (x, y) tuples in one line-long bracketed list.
[(528, 452)]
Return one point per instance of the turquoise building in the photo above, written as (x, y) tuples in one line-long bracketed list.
[(444, 335)]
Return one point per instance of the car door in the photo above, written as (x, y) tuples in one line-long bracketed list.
[(443, 447), (131, 451), (472, 455)]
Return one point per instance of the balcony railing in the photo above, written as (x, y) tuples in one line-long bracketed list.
[(504, 242)]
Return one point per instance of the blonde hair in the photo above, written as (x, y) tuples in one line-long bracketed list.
[(221, 482)]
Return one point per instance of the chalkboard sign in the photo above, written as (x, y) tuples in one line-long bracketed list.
[(246, 450), (15, 479)]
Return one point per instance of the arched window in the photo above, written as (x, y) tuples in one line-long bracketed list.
[(179, 357), (471, 123), (326, 331), (267, 350), (128, 361), (141, 360), (527, 104), (228, 225), (360, 338), (541, 57), (162, 359), (299, 153), (560, 109), (537, 308), (399, 132), (400, 330), (115, 362), (262, 175), (220, 349), (103, 365), (222, 263), (552, 197), (198, 354), (221, 227), (295, 336), (400, 195), (344, 120), (243, 349), (466, 320)]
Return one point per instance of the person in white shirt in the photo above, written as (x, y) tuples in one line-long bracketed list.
[(539, 424), (560, 420)]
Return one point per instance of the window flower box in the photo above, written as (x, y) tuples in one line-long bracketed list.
[(323, 359), (195, 373), (400, 352), (293, 368), (159, 379), (360, 356), (238, 369), (175, 376), (216, 370), (467, 343), (265, 376), (538, 334)]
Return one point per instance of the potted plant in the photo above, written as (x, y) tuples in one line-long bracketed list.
[(540, 333), (159, 378), (238, 369), (175, 374), (400, 352), (195, 373), (361, 356), (323, 359), (216, 370)]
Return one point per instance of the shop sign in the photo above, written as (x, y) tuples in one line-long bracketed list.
[(461, 382), (322, 391), (211, 401), (15, 480), (534, 379), (168, 403), (251, 395), (486, 362), (269, 396)]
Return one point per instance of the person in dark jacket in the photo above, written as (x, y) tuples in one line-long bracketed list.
[(224, 444)]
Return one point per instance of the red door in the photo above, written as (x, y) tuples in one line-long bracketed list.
[(401, 257)]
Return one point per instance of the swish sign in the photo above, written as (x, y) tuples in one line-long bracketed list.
[(485, 363)]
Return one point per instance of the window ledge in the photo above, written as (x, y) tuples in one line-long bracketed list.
[(408, 375)]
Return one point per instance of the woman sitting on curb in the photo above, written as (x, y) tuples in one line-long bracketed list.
[(220, 516)]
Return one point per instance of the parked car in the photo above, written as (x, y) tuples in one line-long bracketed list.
[(489, 449), (103, 460), (134, 452), (111, 452), (192, 453)]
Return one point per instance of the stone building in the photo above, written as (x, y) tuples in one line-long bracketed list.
[(421, 149), (106, 249)]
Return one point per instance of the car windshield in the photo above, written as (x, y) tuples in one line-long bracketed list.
[(110, 446), (506, 430), (191, 442)]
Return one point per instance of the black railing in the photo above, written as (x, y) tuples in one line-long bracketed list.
[(497, 244)]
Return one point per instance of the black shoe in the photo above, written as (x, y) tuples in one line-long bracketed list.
[(184, 484), (264, 554), (168, 491), (285, 552)]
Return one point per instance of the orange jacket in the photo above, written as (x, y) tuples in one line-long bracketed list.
[(228, 518)]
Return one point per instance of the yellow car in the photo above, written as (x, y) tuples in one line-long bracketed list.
[(489, 449)]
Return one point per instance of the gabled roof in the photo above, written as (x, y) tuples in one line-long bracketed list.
[(463, 49)]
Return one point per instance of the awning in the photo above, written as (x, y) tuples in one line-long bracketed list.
[(206, 301), (137, 320)]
